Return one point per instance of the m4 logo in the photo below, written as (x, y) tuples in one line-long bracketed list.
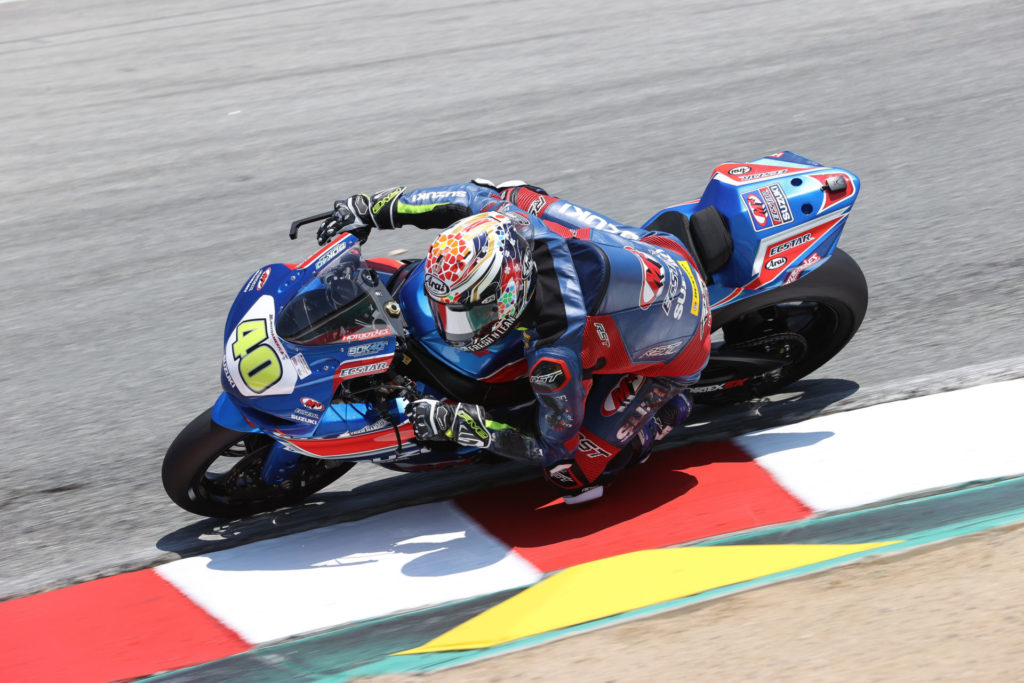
[(621, 394)]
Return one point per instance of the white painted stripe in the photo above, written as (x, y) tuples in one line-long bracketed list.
[(889, 450), (398, 561)]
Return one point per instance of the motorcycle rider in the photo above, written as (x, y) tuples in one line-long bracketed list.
[(615, 320)]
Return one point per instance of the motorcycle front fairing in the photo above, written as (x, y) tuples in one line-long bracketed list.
[(785, 214), (294, 334)]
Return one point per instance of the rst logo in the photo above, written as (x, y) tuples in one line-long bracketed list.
[(549, 375), (589, 449), (662, 350)]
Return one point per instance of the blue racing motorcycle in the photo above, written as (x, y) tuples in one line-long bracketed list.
[(321, 357)]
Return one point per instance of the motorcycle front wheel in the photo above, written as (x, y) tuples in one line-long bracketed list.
[(764, 343), (213, 471)]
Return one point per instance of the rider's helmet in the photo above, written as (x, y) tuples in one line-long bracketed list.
[(479, 277)]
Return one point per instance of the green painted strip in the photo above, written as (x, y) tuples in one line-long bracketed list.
[(894, 520)]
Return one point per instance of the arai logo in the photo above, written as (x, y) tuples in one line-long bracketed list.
[(775, 263), (436, 285)]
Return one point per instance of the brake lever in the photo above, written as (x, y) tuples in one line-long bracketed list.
[(294, 231)]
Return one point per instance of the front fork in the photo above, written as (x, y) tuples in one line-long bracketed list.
[(280, 462)]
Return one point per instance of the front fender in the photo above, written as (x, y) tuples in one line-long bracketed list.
[(226, 414)]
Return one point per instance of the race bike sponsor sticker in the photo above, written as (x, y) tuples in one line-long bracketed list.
[(366, 349), (708, 388), (311, 403), (301, 366), (300, 416), (376, 333), (790, 244), (741, 174), (329, 255), (799, 270), (756, 207), (369, 366), (256, 361), (253, 279), (263, 279), (768, 207)]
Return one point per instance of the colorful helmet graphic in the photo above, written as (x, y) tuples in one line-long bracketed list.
[(478, 278)]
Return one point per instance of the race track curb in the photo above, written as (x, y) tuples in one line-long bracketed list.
[(208, 607)]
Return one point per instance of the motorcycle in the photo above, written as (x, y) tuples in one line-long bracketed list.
[(322, 357)]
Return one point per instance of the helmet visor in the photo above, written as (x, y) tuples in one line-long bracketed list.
[(463, 325)]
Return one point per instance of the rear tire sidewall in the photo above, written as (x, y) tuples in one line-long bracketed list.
[(838, 283)]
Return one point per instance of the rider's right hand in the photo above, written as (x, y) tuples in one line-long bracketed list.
[(350, 215)]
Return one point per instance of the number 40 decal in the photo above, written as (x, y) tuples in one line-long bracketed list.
[(258, 364)]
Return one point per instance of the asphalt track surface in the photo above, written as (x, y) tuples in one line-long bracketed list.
[(153, 154)]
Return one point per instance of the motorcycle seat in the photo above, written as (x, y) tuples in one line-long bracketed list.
[(704, 234)]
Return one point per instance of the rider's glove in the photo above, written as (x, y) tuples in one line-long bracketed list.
[(359, 213), (431, 419), (465, 423)]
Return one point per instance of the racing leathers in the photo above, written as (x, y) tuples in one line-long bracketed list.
[(618, 325)]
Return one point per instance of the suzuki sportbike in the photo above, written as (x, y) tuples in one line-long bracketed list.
[(322, 357)]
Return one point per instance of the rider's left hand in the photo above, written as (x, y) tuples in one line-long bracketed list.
[(431, 419)]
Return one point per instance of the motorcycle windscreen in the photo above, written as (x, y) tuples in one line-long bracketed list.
[(332, 306)]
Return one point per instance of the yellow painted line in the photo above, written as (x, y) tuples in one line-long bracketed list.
[(626, 582)]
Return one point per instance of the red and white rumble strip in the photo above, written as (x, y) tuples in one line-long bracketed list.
[(208, 607)]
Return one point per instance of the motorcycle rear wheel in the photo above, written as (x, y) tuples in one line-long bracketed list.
[(191, 479), (773, 339)]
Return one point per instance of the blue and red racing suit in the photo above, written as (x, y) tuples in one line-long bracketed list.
[(618, 325)]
